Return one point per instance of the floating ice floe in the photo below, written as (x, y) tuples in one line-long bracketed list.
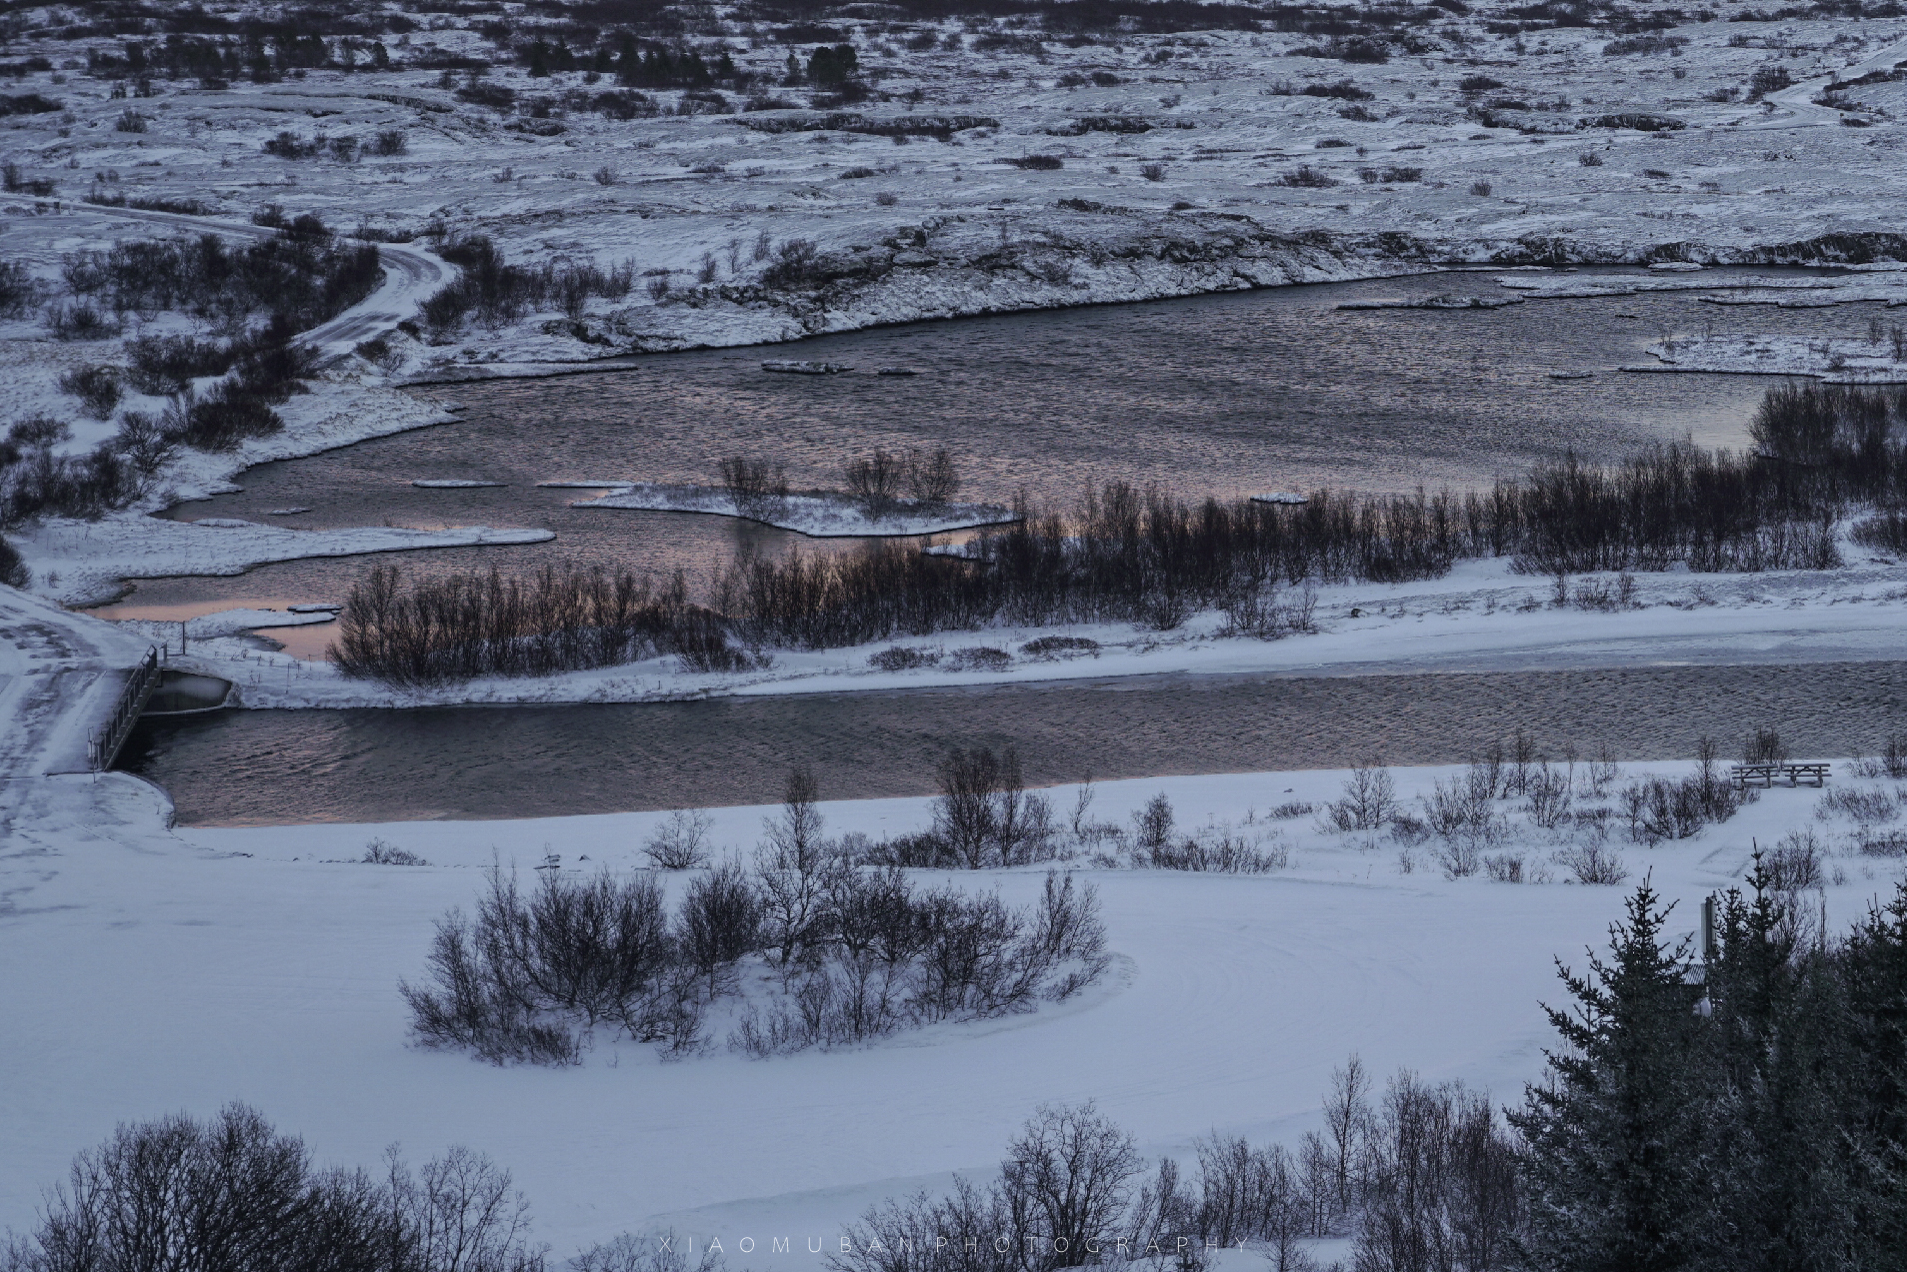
[(286, 512), (818, 514), (802, 366), (1281, 497), (1447, 300), (452, 483)]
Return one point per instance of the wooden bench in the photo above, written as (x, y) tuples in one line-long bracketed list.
[(1765, 775)]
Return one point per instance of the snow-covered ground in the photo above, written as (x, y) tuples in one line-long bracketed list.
[(152, 971)]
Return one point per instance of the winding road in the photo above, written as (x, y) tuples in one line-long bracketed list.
[(410, 276)]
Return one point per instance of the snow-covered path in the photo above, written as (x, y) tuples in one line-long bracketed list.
[(60, 676), (1798, 99), (410, 275)]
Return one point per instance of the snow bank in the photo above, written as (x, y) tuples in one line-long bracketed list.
[(83, 562)]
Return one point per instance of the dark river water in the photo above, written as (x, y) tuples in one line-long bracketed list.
[(1226, 395), (271, 767)]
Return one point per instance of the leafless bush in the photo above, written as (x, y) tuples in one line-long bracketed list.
[(97, 389), (984, 815), (379, 853), (931, 476), (1291, 809), (1865, 807), (528, 977), (1152, 171), (893, 958), (1152, 825), (874, 481), (1795, 863), (17, 291), (902, 658), (1219, 850), (720, 922), (979, 658), (681, 842), (755, 486), (1504, 867), (1254, 607), (461, 626), (1049, 646), (231, 1192), (1593, 862), (1369, 800), (1764, 746), (1464, 808), (1548, 792), (1460, 857)]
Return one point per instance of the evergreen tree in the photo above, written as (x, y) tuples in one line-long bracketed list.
[(1616, 1170), (1777, 1049), (1873, 966)]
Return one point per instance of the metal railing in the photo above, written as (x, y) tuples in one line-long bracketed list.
[(102, 748)]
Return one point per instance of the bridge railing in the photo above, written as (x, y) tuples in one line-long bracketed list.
[(102, 748)]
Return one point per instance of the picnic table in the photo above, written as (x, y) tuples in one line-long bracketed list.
[(1765, 775)]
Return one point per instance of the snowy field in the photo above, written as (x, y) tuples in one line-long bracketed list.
[(262, 964), (992, 166)]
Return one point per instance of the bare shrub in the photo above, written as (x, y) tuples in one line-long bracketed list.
[(1864, 807), (1369, 800), (1593, 862), (528, 977), (1460, 857), (1504, 867), (755, 486), (1152, 825), (231, 1192), (1764, 746), (97, 389), (720, 921), (893, 958), (795, 868), (1049, 646), (379, 853), (1220, 850), (1464, 808), (1548, 792), (460, 626), (984, 815), (1795, 863), (681, 842), (931, 476), (1152, 171), (902, 658), (979, 658), (1292, 809), (874, 481)]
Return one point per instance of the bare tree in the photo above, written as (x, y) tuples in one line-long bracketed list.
[(795, 865)]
